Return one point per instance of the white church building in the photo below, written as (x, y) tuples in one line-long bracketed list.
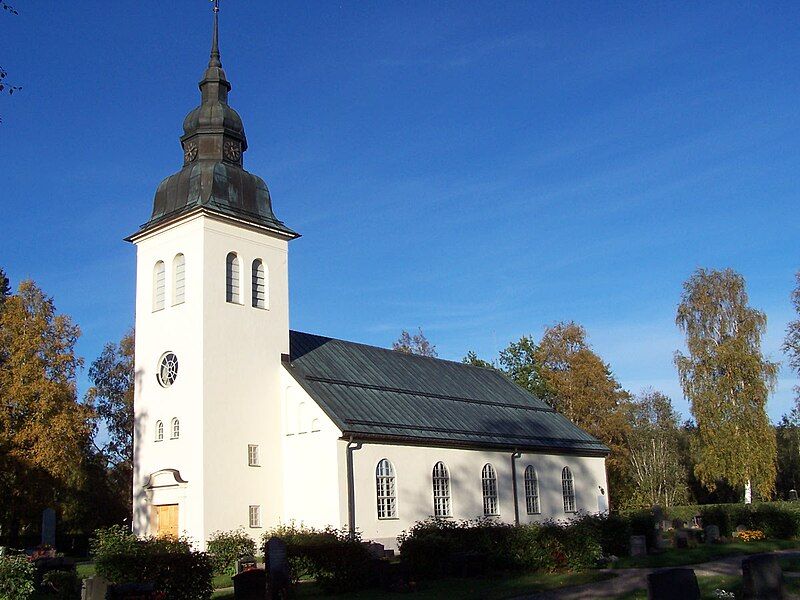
[(241, 422)]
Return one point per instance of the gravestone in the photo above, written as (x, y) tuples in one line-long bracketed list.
[(712, 534), (277, 567), (762, 578), (673, 584), (245, 564), (739, 529), (250, 585), (49, 527), (678, 523), (94, 588), (697, 521), (638, 545), (792, 494), (681, 539)]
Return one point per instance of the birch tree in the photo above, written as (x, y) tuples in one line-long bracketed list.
[(727, 381)]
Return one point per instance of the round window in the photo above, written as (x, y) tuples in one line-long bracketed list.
[(167, 369)]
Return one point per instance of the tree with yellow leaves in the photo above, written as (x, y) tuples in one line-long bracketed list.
[(44, 430), (727, 382)]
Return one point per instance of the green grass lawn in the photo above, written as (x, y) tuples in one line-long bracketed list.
[(711, 583), (465, 589), (704, 553)]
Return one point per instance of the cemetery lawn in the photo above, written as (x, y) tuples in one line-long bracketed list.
[(502, 587), (705, 553)]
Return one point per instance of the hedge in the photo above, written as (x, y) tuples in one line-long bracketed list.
[(177, 570), (16, 578), (227, 547), (339, 562)]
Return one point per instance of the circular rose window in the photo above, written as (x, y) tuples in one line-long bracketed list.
[(167, 369)]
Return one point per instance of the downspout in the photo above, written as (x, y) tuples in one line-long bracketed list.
[(351, 490), (514, 456)]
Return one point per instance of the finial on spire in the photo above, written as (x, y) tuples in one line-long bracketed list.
[(215, 61)]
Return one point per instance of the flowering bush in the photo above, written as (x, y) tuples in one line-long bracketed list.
[(751, 535), (16, 578)]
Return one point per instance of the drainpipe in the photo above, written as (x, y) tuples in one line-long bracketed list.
[(351, 490), (514, 456)]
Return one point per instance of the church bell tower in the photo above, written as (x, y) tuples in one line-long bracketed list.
[(212, 321)]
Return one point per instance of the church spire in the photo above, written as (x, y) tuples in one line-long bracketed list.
[(214, 61)]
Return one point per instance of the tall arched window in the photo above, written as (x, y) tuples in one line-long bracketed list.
[(441, 490), (259, 284), (178, 279), (531, 490), (385, 487), (176, 429), (568, 490), (232, 278), (159, 431), (159, 283), (489, 480)]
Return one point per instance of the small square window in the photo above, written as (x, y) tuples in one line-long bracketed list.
[(255, 516), (252, 455)]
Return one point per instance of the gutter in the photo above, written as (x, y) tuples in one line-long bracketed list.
[(351, 491)]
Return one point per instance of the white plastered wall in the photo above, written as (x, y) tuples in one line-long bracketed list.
[(413, 467)]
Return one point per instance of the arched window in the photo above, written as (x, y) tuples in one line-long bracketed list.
[(531, 490), (314, 425), (259, 284), (301, 417), (232, 278), (384, 484), (489, 480), (178, 279), (159, 283), (159, 431), (176, 429), (568, 490), (441, 490)]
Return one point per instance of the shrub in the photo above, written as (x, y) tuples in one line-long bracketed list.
[(227, 547), (16, 578), (178, 571), (62, 585), (339, 562), (776, 520)]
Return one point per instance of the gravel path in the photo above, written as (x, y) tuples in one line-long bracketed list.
[(629, 580)]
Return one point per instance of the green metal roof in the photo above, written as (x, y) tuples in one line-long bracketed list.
[(379, 394)]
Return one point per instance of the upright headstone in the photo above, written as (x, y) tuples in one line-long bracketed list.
[(681, 538), (638, 545), (246, 563), (673, 584), (712, 534), (250, 585), (792, 494), (762, 577), (49, 527), (94, 588), (277, 567)]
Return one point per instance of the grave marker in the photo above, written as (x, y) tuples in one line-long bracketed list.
[(673, 584)]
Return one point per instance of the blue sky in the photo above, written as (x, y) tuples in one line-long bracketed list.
[(481, 170)]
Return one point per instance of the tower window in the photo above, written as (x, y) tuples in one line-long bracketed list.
[(568, 490), (176, 429), (259, 284), (385, 487), (159, 284), (489, 482), (441, 490), (159, 431), (232, 278), (252, 455), (178, 279), (255, 516), (531, 490), (167, 369)]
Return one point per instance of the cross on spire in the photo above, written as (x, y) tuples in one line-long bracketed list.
[(215, 61)]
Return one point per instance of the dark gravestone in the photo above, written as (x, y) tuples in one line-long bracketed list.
[(673, 584), (792, 494), (250, 585), (681, 539), (762, 578), (277, 567), (245, 564), (712, 534), (638, 545), (48, 527)]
